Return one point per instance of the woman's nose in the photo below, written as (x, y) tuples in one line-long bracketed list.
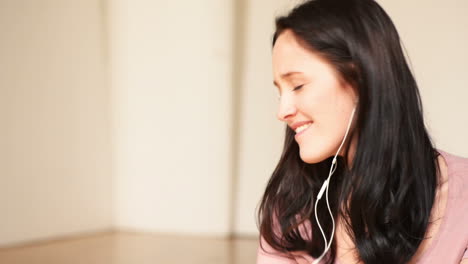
[(286, 109)]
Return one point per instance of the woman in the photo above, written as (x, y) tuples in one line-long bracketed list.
[(353, 111)]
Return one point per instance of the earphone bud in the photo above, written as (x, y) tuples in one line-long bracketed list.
[(324, 188)]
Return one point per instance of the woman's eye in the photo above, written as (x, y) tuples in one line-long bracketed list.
[(298, 87)]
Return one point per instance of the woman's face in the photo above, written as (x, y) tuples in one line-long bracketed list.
[(319, 98)]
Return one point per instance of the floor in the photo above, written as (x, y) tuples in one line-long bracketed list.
[(135, 248)]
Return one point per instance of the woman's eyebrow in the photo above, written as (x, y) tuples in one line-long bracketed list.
[(286, 76)]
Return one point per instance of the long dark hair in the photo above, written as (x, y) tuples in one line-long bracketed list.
[(385, 198)]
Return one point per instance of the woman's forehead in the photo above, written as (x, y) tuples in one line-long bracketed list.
[(286, 48), (290, 59), (290, 56)]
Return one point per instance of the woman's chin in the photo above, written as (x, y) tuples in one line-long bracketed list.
[(311, 157)]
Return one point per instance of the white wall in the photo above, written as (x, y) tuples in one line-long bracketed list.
[(171, 79), (54, 108), (435, 34)]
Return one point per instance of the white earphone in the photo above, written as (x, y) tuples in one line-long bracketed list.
[(324, 188)]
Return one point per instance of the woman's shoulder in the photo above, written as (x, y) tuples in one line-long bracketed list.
[(456, 162), (457, 173), (452, 242)]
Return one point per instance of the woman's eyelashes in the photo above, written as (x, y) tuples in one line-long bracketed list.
[(298, 87), (295, 89)]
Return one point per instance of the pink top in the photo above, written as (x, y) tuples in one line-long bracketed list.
[(450, 244)]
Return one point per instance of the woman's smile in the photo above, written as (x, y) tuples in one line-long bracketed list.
[(301, 130)]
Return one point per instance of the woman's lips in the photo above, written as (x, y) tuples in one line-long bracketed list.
[(302, 132)]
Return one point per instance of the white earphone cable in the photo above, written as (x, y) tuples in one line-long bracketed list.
[(325, 188)]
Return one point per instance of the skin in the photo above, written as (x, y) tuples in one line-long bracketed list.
[(322, 99), (329, 102)]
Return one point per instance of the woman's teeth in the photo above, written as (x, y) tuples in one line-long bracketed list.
[(299, 129)]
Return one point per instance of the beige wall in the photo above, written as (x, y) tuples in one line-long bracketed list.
[(54, 108), (171, 88), (435, 35), (152, 153), (260, 132)]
